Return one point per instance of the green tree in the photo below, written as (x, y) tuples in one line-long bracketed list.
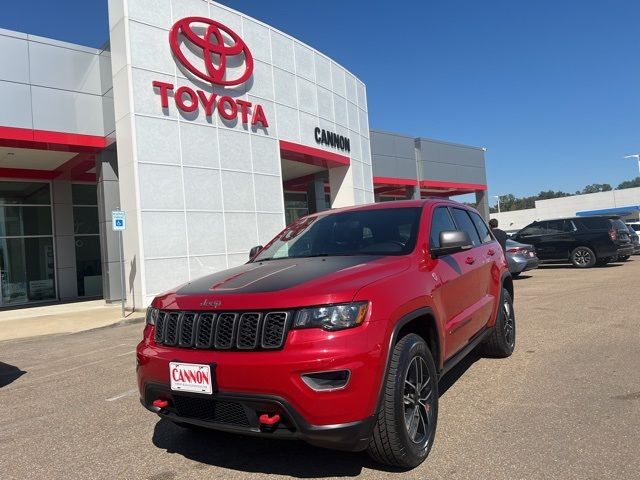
[(630, 183), (596, 187)]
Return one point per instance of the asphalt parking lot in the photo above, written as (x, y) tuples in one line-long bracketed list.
[(565, 405)]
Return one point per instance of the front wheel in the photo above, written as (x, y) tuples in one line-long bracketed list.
[(407, 416), (583, 257)]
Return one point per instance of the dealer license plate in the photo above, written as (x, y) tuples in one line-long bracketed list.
[(190, 377)]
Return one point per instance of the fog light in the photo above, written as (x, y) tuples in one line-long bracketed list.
[(326, 381)]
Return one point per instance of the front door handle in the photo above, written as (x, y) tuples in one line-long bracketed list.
[(469, 260)]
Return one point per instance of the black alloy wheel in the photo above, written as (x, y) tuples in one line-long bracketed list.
[(502, 341), (408, 412), (583, 257), (418, 413)]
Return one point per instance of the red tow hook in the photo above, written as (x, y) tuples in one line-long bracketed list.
[(160, 403), (269, 422)]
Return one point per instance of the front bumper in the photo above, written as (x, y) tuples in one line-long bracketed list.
[(271, 381), (239, 413)]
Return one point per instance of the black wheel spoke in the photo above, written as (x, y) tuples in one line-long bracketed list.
[(417, 400)]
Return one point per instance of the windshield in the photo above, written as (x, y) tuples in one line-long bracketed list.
[(389, 231)]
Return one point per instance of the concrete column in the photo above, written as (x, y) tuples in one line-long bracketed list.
[(341, 186), (315, 193), (413, 192), (482, 203), (65, 246), (108, 200)]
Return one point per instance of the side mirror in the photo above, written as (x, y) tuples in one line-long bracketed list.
[(254, 251), (452, 241)]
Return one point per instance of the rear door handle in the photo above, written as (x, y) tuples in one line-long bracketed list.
[(491, 252), (469, 260)]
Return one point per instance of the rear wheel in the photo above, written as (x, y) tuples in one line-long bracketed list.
[(502, 341), (406, 423), (583, 257)]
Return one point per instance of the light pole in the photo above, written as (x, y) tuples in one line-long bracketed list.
[(498, 197), (637, 157)]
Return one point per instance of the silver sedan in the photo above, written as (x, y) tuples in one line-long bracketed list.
[(521, 257)]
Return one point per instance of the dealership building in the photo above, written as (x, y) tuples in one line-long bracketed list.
[(211, 130)]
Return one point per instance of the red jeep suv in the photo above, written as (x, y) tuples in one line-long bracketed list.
[(336, 332)]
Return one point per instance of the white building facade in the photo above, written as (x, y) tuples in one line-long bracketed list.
[(625, 202)]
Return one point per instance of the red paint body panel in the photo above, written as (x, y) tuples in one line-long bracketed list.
[(463, 297)]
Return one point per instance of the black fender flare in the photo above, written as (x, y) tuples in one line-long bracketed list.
[(404, 320), (506, 277)]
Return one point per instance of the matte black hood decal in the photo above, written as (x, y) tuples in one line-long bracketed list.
[(271, 276)]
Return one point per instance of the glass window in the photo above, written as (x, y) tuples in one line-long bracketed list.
[(441, 222), (88, 266), (483, 230), (533, 229), (85, 220), (361, 232), (82, 194), (25, 193), (554, 226), (464, 223), (27, 270), (87, 240), (595, 223), (295, 206), (20, 221)]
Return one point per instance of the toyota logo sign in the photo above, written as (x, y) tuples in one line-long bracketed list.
[(211, 47)]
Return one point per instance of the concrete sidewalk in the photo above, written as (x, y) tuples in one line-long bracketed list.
[(63, 318)]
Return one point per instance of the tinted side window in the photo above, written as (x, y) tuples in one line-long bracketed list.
[(441, 222), (464, 223), (595, 223), (554, 226), (533, 229), (482, 228)]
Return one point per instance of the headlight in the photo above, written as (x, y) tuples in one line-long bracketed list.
[(332, 317), (152, 315)]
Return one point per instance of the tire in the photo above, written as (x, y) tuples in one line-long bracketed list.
[(583, 257), (406, 426), (624, 258), (502, 340)]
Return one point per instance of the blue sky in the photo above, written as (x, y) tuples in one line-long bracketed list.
[(549, 88)]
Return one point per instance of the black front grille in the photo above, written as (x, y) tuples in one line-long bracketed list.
[(222, 331), (229, 413), (248, 330), (275, 328)]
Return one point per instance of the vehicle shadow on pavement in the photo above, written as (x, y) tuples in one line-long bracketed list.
[(9, 373), (260, 455), (568, 266), (453, 375)]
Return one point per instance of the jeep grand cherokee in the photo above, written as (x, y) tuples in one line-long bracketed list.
[(336, 332)]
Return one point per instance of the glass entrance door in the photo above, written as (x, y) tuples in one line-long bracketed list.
[(27, 264)]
